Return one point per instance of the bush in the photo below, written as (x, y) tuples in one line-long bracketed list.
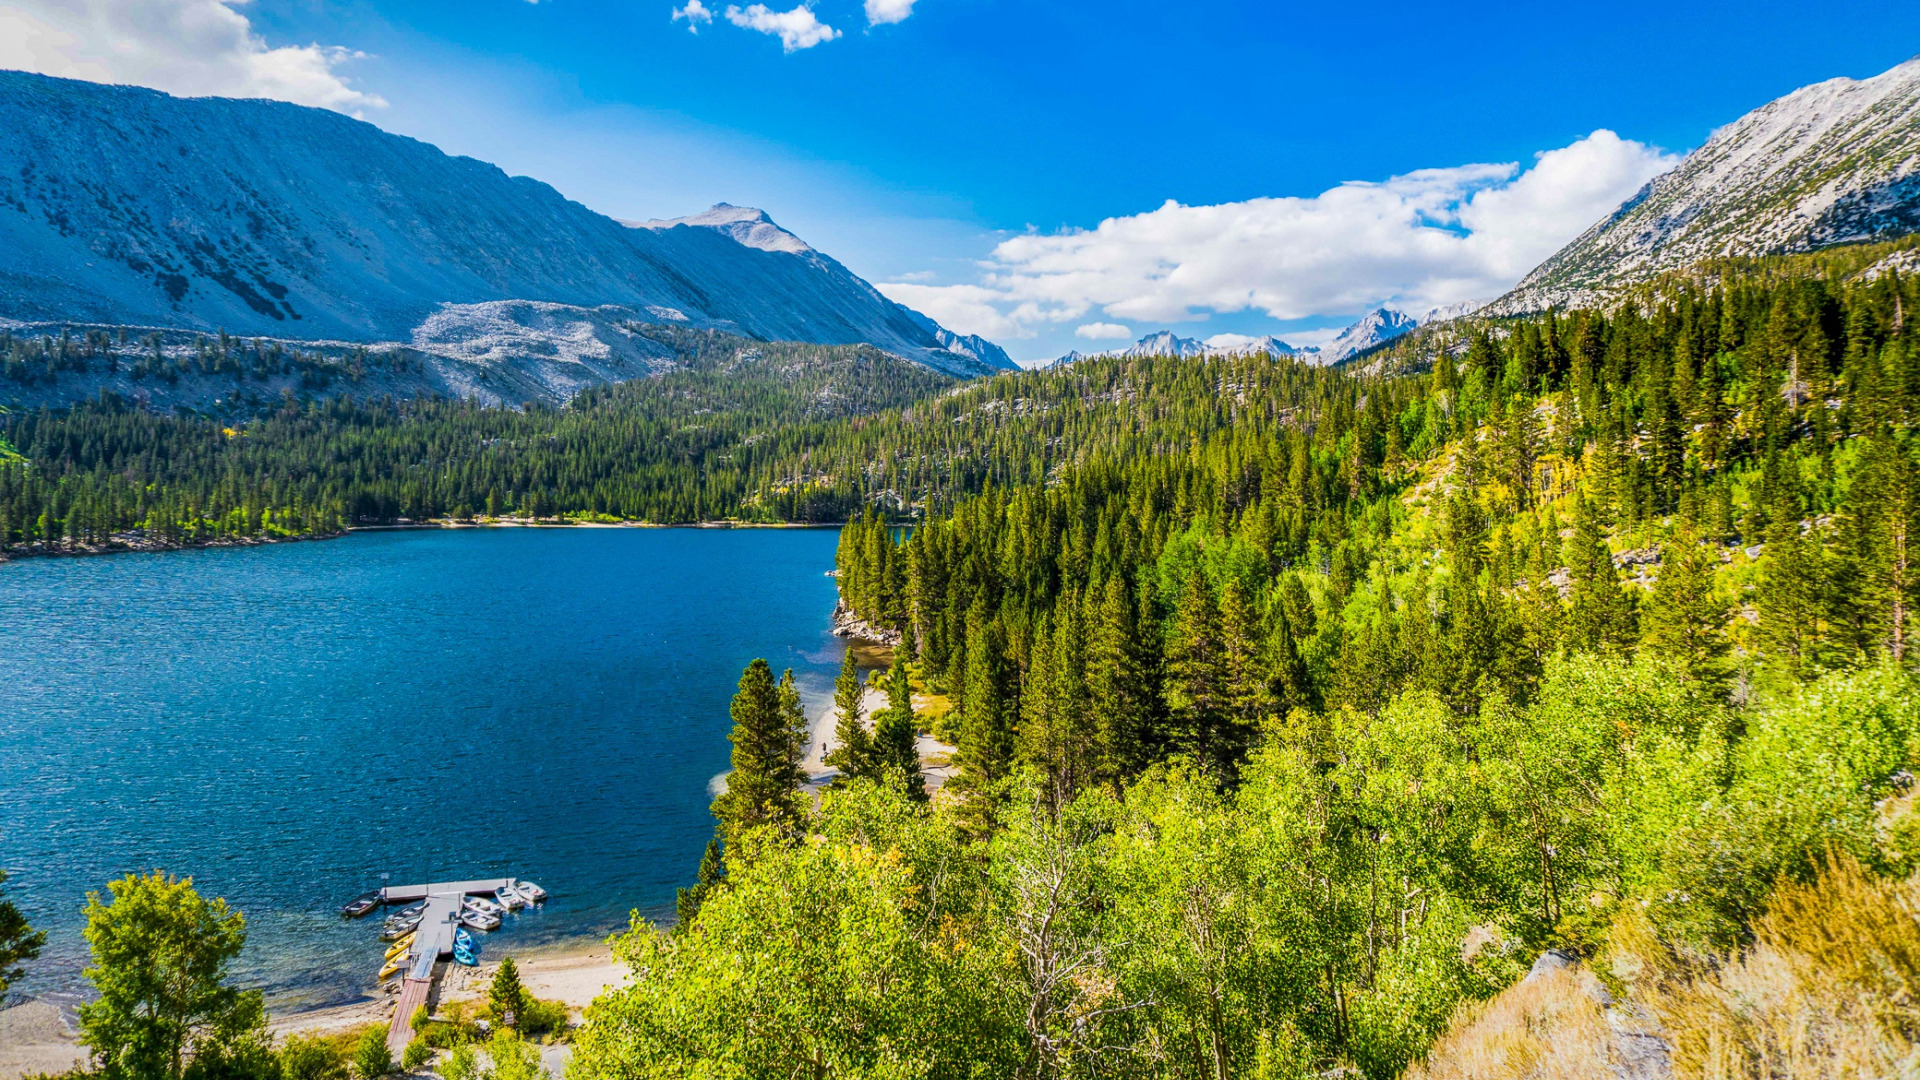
[(418, 1053), (419, 1019), (513, 1058), (306, 1057), (370, 1057), (461, 1064), (541, 1017)]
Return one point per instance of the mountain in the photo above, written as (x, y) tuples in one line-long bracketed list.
[(125, 206), (1831, 163), (1376, 327), (1167, 343)]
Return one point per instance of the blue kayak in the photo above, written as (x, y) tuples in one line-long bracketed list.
[(464, 956)]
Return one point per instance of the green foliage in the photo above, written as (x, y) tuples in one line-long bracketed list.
[(854, 754), (416, 1055), (308, 1057), (462, 1063), (506, 998), (160, 957), (513, 1058), (769, 740), (371, 1059), (19, 942)]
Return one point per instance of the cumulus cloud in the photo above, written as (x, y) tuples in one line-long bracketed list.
[(1104, 331), (187, 47), (975, 307), (797, 29), (880, 12), (1418, 241), (696, 14)]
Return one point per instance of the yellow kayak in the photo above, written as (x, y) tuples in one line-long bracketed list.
[(400, 946), (393, 965)]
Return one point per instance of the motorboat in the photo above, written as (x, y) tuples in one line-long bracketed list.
[(529, 892), (507, 898), (360, 905), (480, 920), (482, 905), (400, 946)]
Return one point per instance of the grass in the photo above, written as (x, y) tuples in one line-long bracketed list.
[(1830, 986), (1550, 1027)]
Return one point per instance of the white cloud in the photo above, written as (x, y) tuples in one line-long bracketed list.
[(1105, 331), (695, 13), (1418, 241), (965, 309), (1230, 341), (888, 11), (187, 47), (797, 29)]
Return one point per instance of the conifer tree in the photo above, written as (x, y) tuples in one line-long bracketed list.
[(768, 744), (1684, 618), (986, 745), (686, 904), (506, 998), (1601, 616), (895, 748), (854, 756), (1122, 700), (1197, 677)]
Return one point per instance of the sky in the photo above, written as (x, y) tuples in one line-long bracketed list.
[(1051, 175)]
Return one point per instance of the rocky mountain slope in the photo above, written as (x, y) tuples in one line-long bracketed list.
[(124, 206), (1832, 163), (1372, 330)]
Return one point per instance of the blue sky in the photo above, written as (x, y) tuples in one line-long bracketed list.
[(975, 132)]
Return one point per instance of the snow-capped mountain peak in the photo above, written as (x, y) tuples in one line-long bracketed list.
[(750, 227), (1836, 162)]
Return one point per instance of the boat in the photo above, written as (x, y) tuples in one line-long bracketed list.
[(464, 956), (480, 920), (482, 905), (529, 892), (393, 966), (400, 946), (508, 899), (466, 947), (397, 930), (360, 905), (461, 937)]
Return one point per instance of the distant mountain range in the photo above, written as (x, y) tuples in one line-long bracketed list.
[(1375, 328), (126, 206), (1832, 163)]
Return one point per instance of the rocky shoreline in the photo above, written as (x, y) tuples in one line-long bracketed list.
[(848, 625)]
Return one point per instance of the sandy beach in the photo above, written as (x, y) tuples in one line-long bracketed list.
[(935, 756), (36, 1038)]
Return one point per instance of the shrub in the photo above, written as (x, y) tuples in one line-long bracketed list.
[(513, 1058), (370, 1056), (419, 1019), (540, 1017), (418, 1053), (461, 1064), (306, 1057)]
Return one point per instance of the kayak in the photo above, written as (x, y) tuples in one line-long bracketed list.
[(400, 946), (393, 966)]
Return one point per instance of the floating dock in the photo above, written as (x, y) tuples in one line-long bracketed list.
[(431, 941)]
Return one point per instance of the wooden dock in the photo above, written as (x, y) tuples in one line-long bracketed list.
[(431, 941)]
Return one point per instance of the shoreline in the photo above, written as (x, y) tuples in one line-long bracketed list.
[(144, 546), (38, 1037)]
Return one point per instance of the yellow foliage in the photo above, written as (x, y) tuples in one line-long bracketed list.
[(1829, 988), (1550, 1027)]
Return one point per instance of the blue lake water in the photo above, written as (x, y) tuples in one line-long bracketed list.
[(288, 723)]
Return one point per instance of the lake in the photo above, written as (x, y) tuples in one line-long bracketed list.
[(289, 723)]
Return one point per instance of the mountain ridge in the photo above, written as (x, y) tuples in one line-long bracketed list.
[(1831, 163), (122, 205)]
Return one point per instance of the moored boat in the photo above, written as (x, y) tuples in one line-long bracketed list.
[(392, 968), (400, 946), (482, 905), (528, 891), (480, 920), (508, 899), (360, 905)]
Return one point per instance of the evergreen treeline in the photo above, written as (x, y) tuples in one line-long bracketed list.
[(728, 433), (1296, 711)]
